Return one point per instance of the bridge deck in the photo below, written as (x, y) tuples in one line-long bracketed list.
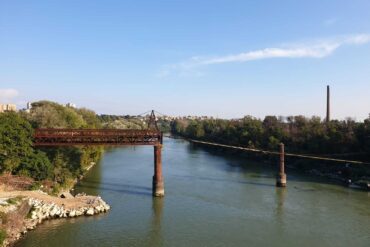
[(88, 137)]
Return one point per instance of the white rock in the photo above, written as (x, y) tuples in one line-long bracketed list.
[(72, 213), (90, 211)]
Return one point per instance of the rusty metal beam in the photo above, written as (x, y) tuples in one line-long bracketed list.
[(89, 137)]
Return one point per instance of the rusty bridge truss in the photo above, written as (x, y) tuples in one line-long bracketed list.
[(89, 137), (110, 137)]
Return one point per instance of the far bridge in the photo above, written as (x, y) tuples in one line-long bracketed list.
[(110, 137)]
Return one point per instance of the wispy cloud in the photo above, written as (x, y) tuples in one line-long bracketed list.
[(8, 94), (314, 49)]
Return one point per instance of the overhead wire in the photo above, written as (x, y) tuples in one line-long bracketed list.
[(278, 153)]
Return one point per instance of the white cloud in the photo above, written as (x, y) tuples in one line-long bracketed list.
[(7, 94), (314, 49), (357, 39)]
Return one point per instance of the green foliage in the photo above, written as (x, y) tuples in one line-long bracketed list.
[(300, 134), (90, 118), (2, 236), (36, 165), (125, 124), (179, 126), (56, 190), (14, 200), (67, 162), (62, 165), (45, 114), (164, 125), (15, 141), (35, 185), (195, 129)]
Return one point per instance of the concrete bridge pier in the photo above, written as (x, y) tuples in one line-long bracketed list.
[(158, 184), (281, 177)]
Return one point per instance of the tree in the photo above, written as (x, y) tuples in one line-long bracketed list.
[(15, 141), (37, 166), (45, 114), (90, 118)]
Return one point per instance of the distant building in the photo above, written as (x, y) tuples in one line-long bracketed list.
[(29, 107), (71, 105), (7, 107)]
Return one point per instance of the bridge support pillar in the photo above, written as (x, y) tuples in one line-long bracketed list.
[(281, 177), (158, 184)]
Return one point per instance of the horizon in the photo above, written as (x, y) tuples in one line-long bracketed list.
[(147, 113), (189, 58)]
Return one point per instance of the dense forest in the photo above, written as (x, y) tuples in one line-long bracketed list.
[(298, 133)]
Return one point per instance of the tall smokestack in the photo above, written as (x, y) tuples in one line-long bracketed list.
[(327, 103)]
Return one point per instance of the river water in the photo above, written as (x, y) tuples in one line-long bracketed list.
[(210, 200)]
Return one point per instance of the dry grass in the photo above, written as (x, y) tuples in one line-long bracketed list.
[(10, 182), (14, 221)]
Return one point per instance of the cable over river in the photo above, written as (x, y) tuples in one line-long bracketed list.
[(211, 200)]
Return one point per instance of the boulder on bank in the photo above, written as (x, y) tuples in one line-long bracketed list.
[(33, 207)]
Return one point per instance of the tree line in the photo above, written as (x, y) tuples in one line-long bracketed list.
[(300, 134)]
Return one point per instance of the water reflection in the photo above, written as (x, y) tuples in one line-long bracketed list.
[(280, 200), (190, 177), (95, 176), (155, 232)]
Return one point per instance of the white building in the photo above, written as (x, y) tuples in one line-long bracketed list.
[(7, 107)]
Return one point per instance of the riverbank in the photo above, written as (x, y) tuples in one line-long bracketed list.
[(23, 205), (355, 176), (22, 211)]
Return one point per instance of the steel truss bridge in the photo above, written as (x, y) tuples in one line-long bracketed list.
[(90, 137), (109, 137)]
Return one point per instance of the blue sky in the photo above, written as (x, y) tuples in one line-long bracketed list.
[(219, 58)]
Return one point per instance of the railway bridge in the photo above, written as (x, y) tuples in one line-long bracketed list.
[(110, 137)]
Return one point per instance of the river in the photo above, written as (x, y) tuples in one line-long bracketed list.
[(210, 200)]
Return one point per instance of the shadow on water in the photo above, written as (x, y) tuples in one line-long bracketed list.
[(92, 182), (238, 162), (116, 187)]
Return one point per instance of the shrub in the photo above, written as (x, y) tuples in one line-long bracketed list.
[(2, 236)]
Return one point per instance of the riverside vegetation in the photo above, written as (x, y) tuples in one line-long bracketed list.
[(53, 170), (345, 139), (56, 167), (47, 170)]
